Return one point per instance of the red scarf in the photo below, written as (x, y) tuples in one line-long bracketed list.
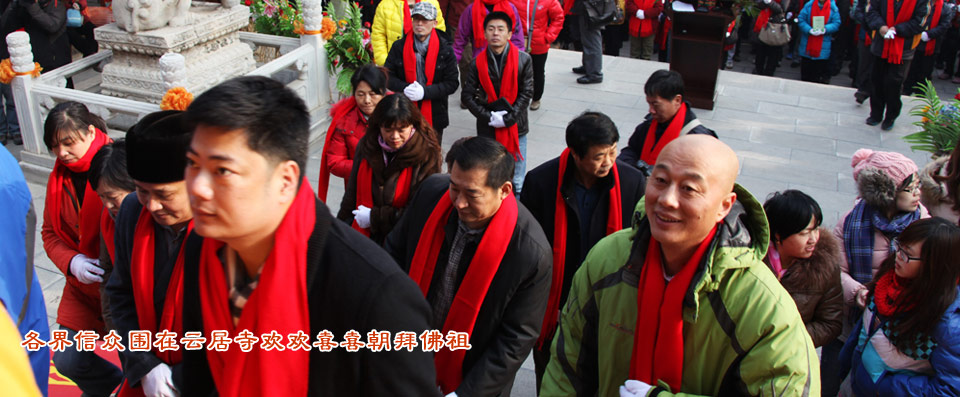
[(567, 6), (651, 147), (762, 18), (667, 25), (932, 44), (429, 66), (107, 228), (614, 223), (339, 111), (730, 27), (641, 27), (365, 186), (658, 336), (469, 297), (893, 49), (407, 21), (479, 12), (507, 136), (815, 43), (89, 214), (279, 303), (886, 294)]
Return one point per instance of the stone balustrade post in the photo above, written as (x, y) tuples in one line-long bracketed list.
[(318, 77), (28, 110), (173, 69)]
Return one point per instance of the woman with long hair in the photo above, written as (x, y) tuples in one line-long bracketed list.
[(806, 259), (349, 123), (398, 152), (71, 238), (907, 342)]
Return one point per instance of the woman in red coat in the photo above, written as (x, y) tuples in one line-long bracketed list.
[(547, 17), (349, 123), (71, 238)]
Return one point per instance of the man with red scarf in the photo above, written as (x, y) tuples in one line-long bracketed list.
[(497, 90), (145, 289), (681, 303), (670, 116), (898, 25), (268, 258), (423, 67), (938, 22), (482, 262), (578, 198)]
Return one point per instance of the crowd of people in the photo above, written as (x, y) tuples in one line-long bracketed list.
[(637, 271)]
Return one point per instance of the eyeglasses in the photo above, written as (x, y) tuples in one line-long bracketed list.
[(903, 256)]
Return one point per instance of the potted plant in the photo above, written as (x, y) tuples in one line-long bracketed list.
[(939, 122), (349, 46), (276, 17)]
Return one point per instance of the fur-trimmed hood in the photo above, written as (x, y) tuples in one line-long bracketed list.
[(877, 188), (931, 191)]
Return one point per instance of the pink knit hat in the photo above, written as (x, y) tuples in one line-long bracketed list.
[(895, 165)]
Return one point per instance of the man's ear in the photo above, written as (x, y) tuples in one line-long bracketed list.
[(726, 205), (677, 100), (505, 189), (289, 173)]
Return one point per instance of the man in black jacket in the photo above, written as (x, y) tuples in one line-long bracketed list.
[(156, 215), (664, 90), (483, 263), (894, 47), (436, 77), (504, 109), (272, 259), (591, 177)]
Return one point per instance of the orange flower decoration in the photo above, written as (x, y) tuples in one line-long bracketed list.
[(7, 73), (327, 28), (176, 98), (298, 28)]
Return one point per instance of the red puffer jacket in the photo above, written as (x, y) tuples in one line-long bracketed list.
[(546, 27)]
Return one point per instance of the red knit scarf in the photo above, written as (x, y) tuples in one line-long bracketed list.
[(469, 297), (932, 44), (407, 21), (762, 18), (641, 27), (665, 32), (479, 12), (815, 43), (107, 228), (89, 214), (365, 190), (614, 223), (340, 110), (651, 146), (429, 66), (886, 294), (658, 336), (278, 304), (893, 49), (507, 136)]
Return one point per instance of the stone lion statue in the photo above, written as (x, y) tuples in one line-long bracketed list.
[(141, 15)]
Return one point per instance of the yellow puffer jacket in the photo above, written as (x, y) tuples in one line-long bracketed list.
[(388, 26)]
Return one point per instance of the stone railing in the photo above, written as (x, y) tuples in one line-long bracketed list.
[(302, 66)]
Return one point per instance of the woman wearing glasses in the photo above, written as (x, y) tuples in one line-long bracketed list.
[(889, 201), (907, 342)]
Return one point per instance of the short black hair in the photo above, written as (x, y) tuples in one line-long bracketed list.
[(477, 151), (70, 117), (665, 84), (591, 129), (373, 75), (273, 117), (109, 166), (790, 211), (498, 15)]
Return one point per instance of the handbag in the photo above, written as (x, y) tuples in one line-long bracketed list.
[(775, 34)]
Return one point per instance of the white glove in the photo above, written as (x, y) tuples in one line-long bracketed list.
[(925, 37), (362, 216), (159, 382), (496, 119), (789, 15), (767, 1), (815, 32), (85, 269), (639, 14), (414, 91), (634, 388), (890, 34), (453, 394)]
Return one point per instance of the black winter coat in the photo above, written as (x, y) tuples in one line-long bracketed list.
[(352, 284), (45, 21), (540, 195), (631, 153), (446, 79), (475, 98), (512, 312), (876, 17)]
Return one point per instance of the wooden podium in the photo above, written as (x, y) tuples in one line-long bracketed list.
[(696, 45)]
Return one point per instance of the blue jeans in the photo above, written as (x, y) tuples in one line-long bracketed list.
[(9, 125), (520, 167)]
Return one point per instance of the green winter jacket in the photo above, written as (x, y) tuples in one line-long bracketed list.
[(742, 332)]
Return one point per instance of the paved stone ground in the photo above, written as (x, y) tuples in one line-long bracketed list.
[(787, 134)]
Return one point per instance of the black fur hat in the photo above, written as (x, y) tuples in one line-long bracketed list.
[(157, 147)]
